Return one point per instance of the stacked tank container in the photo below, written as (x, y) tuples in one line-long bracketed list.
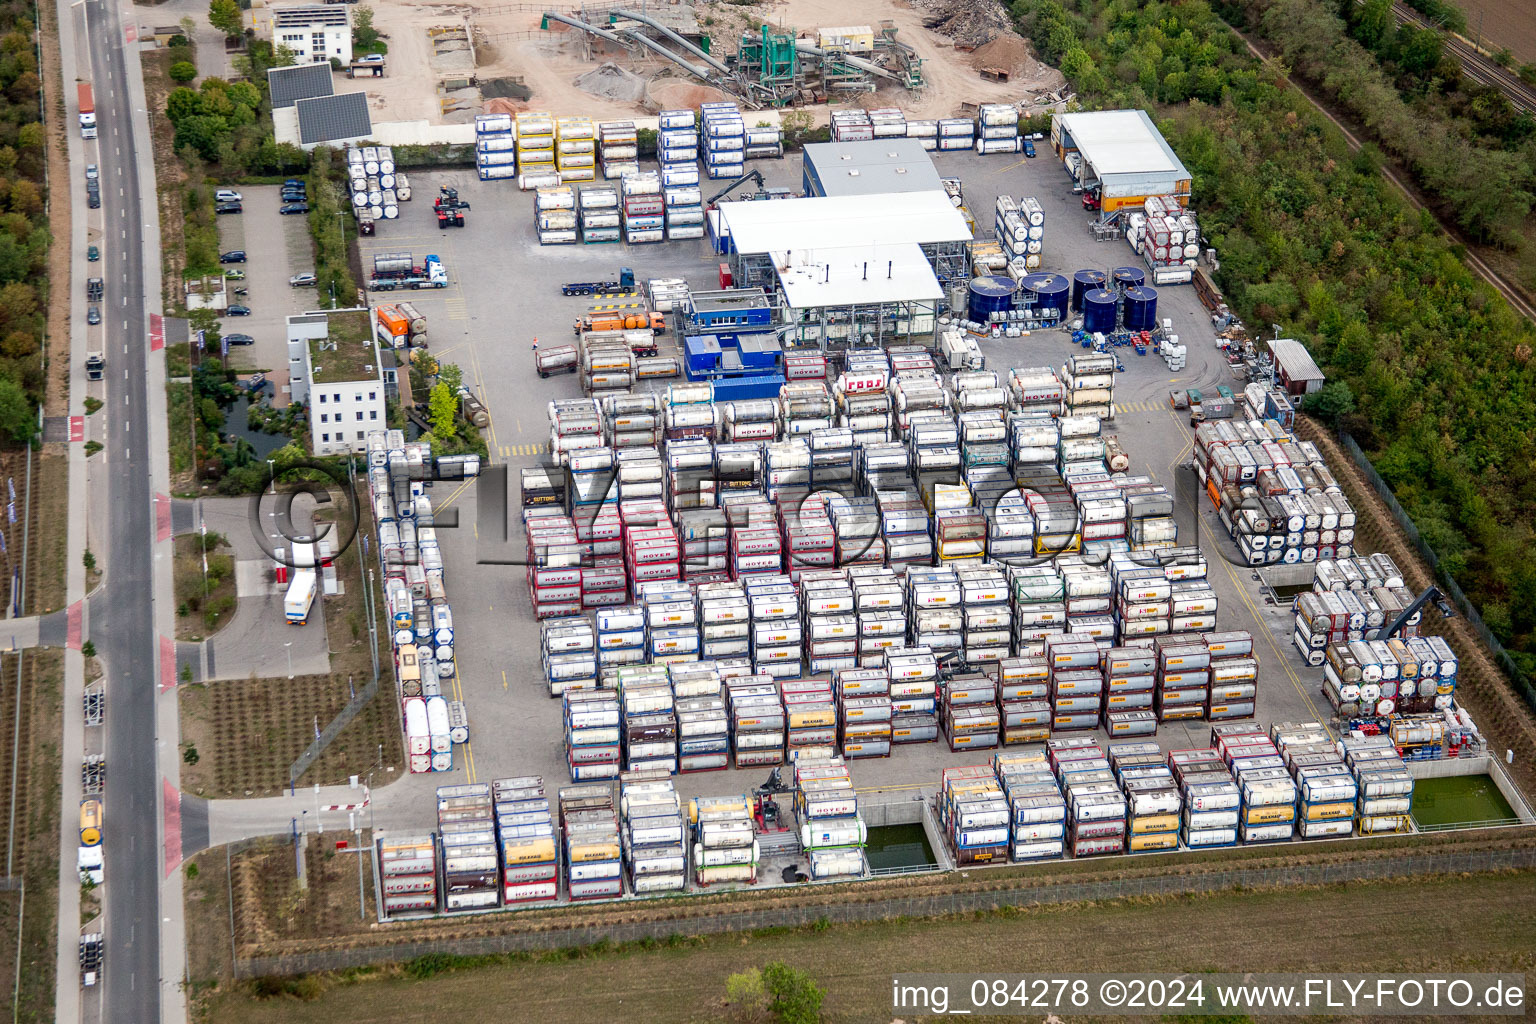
[(810, 713), (852, 126), (525, 832), (592, 734), (554, 215), (620, 636), (1089, 381), (763, 142), (1268, 808), (1164, 233), (598, 206), (926, 132), (1096, 806), (864, 712), (590, 843), (974, 815), (703, 726), (495, 147), (644, 208), (830, 626), (722, 140), (568, 649), (374, 184), (1385, 786), (1129, 680), (1020, 225), (1152, 796), (684, 201), (1037, 810), (671, 622), (677, 139), (832, 833), (969, 713), (1038, 594), (956, 133), (914, 684), (407, 874), (650, 718), (724, 839), (997, 128), (467, 833), (536, 148), (618, 148), (775, 626), (1234, 675), (554, 563), (1327, 790), (888, 123), (757, 721), (1077, 683), (1211, 799), (1023, 700), (654, 836), (1183, 680)]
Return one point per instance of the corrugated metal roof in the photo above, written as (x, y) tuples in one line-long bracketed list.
[(829, 222), (855, 275), (1294, 360), (332, 118), (300, 82), (866, 168), (1122, 142)]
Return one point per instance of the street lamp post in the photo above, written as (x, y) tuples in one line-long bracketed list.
[(272, 474), (288, 648)]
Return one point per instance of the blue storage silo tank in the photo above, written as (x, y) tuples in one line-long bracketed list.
[(1128, 277), (991, 295), (1099, 311), (1052, 292), (1141, 309), (1083, 282)]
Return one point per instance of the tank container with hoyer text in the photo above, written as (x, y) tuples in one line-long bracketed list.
[(407, 874), (591, 848), (525, 833), (471, 871), (832, 832)]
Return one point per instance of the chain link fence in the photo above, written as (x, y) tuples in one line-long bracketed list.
[(1521, 681), (1192, 883)]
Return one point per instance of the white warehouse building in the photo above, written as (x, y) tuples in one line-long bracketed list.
[(334, 369)]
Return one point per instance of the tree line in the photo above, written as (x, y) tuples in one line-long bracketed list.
[(1310, 236)]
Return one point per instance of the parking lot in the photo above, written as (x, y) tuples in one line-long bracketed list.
[(504, 291), (276, 247)]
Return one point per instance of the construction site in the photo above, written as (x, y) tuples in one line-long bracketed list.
[(448, 63)]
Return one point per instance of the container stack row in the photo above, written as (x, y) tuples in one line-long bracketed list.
[(593, 727), (1020, 225), (655, 837), (852, 126), (832, 832), (722, 140), (495, 147), (1153, 803), (955, 133), (1211, 798), (377, 190), (1097, 809), (590, 843), (525, 833), (1089, 380), (1037, 811), (644, 208), (618, 149), (1269, 794), (677, 138), (684, 200), (1386, 681), (997, 128), (598, 207), (407, 874), (725, 847), (554, 215), (536, 150), (1164, 233), (975, 815), (1326, 788), (467, 831)]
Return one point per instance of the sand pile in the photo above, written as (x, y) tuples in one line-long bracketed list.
[(681, 93), (611, 82), (1008, 51)]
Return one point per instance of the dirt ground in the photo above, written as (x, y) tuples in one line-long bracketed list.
[(509, 43), (1502, 24), (1480, 923)]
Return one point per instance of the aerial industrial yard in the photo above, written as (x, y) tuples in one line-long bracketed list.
[(710, 510)]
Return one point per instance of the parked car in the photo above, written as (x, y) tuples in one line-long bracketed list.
[(301, 280), (370, 58), (295, 196), (227, 195), (91, 173), (226, 208), (93, 200), (92, 254), (237, 310), (93, 316), (294, 208), (94, 288), (1029, 149), (234, 275), (239, 339), (294, 183), (233, 256)]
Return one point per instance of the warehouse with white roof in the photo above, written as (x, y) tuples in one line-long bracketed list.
[(1120, 157), (848, 268)]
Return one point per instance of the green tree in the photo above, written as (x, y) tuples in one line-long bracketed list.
[(1330, 402), (1371, 22), (452, 375), (794, 997), (17, 418), (183, 71), (444, 408), (224, 15), (746, 996)]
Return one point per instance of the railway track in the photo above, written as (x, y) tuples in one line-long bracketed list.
[(1480, 267), (1474, 64)]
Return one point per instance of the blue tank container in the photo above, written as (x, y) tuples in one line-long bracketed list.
[(1099, 307), (1128, 277), (1083, 282), (1141, 309), (990, 295), (1051, 292)]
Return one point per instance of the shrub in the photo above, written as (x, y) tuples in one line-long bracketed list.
[(183, 72)]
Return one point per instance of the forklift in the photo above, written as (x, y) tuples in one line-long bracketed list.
[(766, 814), (449, 208)]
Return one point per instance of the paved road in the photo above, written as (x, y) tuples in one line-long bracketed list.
[(122, 613)]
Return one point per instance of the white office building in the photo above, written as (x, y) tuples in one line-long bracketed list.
[(314, 32), (334, 369)]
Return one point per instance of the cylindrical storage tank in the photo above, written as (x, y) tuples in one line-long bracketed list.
[(1128, 277), (989, 295), (1099, 311), (1052, 291), (1140, 308), (1083, 282)]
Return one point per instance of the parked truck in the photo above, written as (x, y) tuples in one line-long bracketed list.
[(87, 110), (626, 282), (91, 946), (631, 317), (300, 597), (392, 270), (95, 365)]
